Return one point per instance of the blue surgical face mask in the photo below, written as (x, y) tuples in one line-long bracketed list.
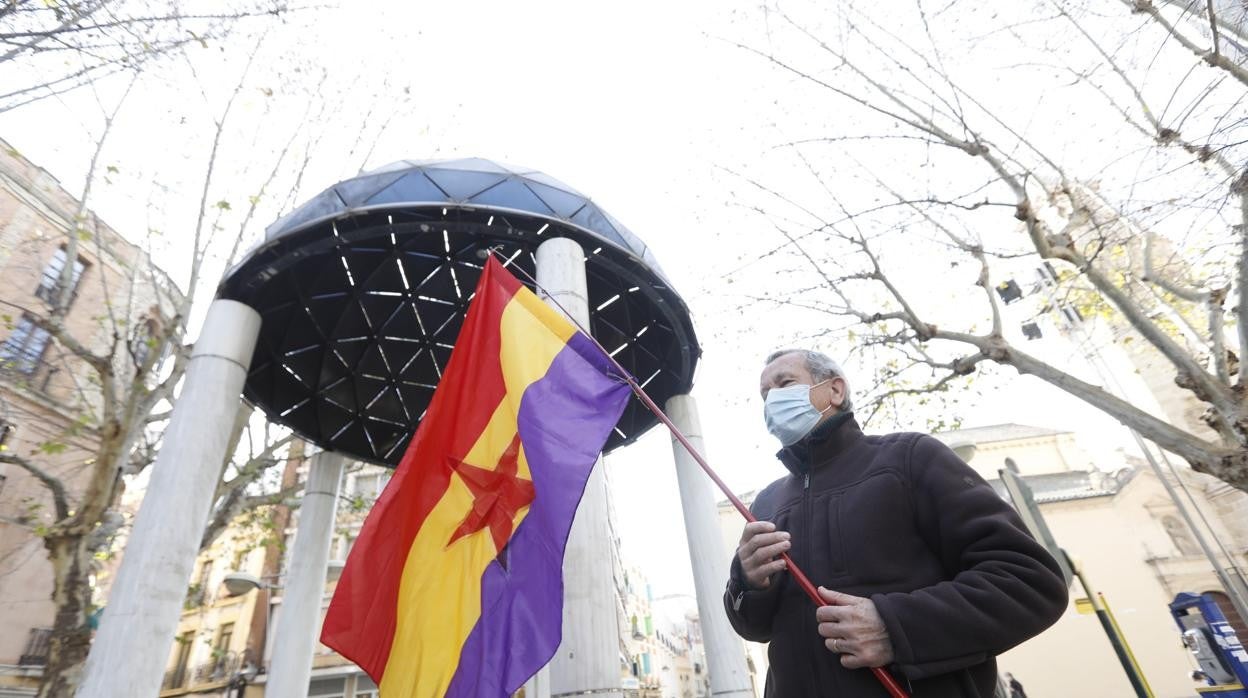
[(789, 413)]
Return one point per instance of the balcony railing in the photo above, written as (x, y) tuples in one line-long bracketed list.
[(36, 653), (215, 670), (219, 669)]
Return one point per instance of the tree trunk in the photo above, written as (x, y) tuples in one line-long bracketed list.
[(71, 592), (1231, 468)]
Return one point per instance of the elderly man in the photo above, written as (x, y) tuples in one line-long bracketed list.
[(922, 567)]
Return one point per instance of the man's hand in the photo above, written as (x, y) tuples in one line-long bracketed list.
[(851, 626), (759, 552)]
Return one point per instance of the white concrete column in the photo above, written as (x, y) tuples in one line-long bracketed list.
[(299, 624), (136, 632), (725, 651), (588, 660), (539, 685)]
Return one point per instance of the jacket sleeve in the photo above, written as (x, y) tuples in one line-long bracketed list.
[(750, 611), (1003, 587)]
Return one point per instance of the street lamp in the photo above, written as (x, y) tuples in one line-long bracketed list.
[(964, 448), (239, 583)]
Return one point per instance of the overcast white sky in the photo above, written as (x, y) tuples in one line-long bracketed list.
[(646, 106)]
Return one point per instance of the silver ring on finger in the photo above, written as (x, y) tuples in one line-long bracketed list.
[(836, 645)]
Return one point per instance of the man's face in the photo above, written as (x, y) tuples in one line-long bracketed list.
[(790, 369)]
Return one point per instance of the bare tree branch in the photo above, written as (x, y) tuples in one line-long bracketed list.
[(1213, 58), (60, 498)]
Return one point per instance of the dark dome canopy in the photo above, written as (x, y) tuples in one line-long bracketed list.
[(362, 291)]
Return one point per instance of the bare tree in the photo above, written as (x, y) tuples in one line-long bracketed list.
[(123, 361), (1130, 196), (51, 48)]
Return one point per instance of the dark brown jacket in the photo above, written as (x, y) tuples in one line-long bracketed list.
[(902, 520)]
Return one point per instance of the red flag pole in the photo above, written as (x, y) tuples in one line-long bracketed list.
[(890, 684)]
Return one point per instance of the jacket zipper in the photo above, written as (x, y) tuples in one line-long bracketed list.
[(806, 547)]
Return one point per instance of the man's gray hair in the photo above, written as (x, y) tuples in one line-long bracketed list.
[(821, 366)]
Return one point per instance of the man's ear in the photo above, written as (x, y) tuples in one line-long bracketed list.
[(835, 394)]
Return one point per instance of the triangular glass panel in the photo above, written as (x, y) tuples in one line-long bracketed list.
[(412, 188), (347, 351), (342, 393), (300, 331), (374, 363), (417, 397), (461, 185), (385, 405), (439, 319), (400, 354), (512, 194), (326, 308), (591, 219), (391, 453), (348, 437), (437, 284), (358, 191), (364, 263), (306, 363), (352, 322), (381, 310), (326, 274), (471, 164), (322, 205), (564, 205), (393, 167), (366, 389), (543, 178)]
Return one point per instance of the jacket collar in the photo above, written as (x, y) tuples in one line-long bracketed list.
[(827, 440)]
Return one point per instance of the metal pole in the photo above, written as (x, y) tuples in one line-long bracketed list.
[(131, 648), (1116, 639), (299, 624), (725, 654), (588, 659)]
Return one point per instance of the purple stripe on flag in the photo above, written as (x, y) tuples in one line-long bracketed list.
[(565, 418)]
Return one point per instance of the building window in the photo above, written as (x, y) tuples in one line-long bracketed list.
[(240, 560), (50, 280), (23, 350), (143, 341), (370, 485), (197, 595), (224, 637), (343, 547), (177, 676), (36, 652), (1180, 536), (364, 687), (327, 688)]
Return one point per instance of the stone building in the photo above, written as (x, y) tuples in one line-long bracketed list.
[(1116, 521), (47, 394)]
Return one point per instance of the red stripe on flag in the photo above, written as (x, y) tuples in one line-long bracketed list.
[(360, 623)]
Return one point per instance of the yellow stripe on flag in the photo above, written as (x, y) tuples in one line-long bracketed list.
[(440, 593)]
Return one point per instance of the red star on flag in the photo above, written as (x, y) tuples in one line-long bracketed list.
[(498, 494)]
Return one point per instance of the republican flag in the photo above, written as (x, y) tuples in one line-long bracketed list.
[(454, 586)]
